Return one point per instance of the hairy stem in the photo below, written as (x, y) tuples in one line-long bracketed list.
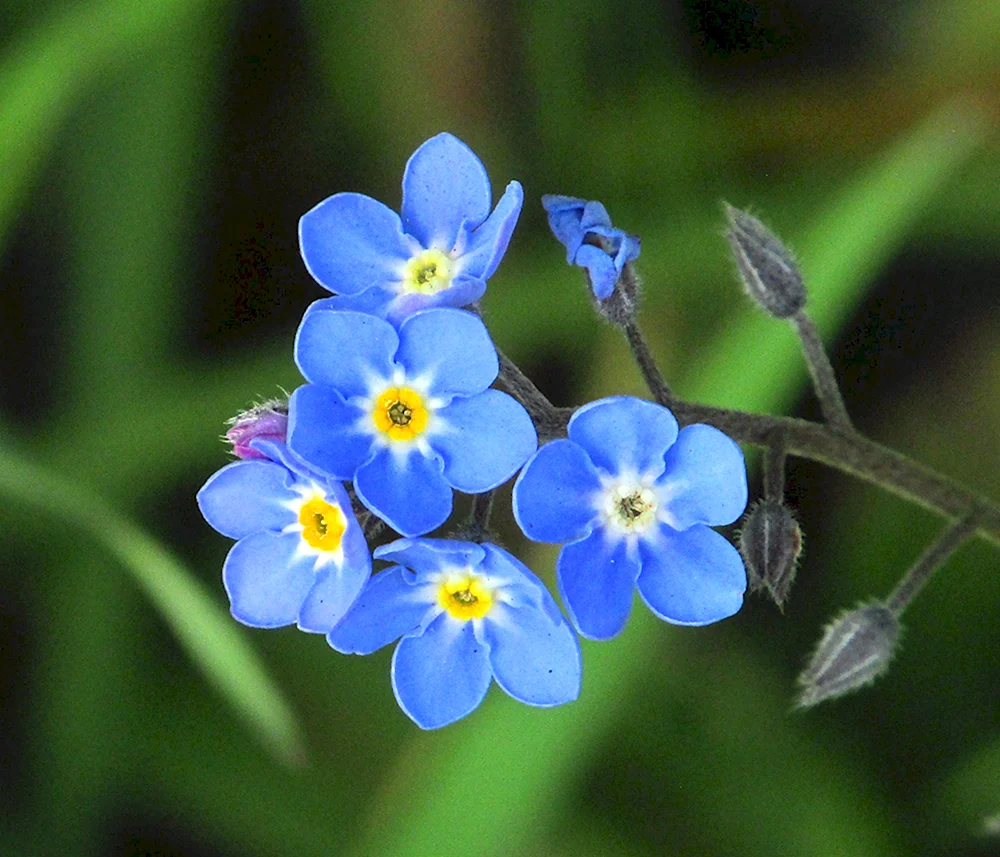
[(851, 453), (647, 365), (549, 420), (930, 561), (831, 402), (774, 472), (477, 528)]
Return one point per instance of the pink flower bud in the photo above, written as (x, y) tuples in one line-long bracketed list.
[(268, 420)]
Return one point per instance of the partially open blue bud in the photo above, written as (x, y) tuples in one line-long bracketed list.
[(591, 242)]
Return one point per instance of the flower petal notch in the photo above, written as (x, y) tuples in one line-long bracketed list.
[(584, 229), (300, 556), (464, 615), (406, 414), (440, 252), (635, 500)]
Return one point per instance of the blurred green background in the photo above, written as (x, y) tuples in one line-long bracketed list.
[(156, 156)]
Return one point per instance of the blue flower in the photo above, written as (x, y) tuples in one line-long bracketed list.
[(407, 415), (466, 614), (590, 240), (635, 499), (440, 252), (300, 556)]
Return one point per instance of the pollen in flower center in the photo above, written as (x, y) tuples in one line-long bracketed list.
[(323, 524), (465, 597), (400, 414), (630, 508), (427, 273)]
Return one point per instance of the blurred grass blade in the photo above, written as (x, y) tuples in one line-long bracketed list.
[(43, 74), (208, 634), (757, 366)]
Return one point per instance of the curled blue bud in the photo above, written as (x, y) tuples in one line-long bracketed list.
[(591, 242)]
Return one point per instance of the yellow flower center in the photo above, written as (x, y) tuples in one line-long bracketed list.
[(465, 597), (323, 524), (428, 272), (631, 508), (399, 412)]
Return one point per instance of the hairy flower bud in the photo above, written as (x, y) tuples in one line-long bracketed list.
[(766, 266), (855, 650), (771, 542), (268, 420)]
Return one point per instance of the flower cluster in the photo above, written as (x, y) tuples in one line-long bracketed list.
[(399, 411)]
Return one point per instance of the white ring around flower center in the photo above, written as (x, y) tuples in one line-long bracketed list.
[(629, 506)]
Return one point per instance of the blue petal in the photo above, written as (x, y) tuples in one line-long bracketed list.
[(441, 675), (444, 186), (449, 350), (388, 607), (337, 588), (534, 658), (554, 495), (324, 430), (246, 497), (691, 578), (464, 290), (622, 433), (299, 467), (565, 213), (351, 242), (487, 244), (601, 267), (349, 351), (596, 576), (428, 555), (406, 491), (485, 440), (371, 302), (705, 480), (519, 584), (265, 581)]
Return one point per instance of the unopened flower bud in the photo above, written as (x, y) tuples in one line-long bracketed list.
[(766, 266), (771, 542), (268, 421), (855, 650)]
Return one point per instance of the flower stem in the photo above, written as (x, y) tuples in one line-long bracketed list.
[(930, 561), (647, 365), (847, 451), (831, 401), (774, 472), (549, 420), (477, 528)]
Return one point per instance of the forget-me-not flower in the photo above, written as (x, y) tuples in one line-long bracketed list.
[(406, 414), (466, 614), (300, 556), (591, 242), (635, 500), (439, 251)]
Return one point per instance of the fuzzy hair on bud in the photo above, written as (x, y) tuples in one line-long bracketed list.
[(766, 266), (855, 650), (771, 543), (267, 420)]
